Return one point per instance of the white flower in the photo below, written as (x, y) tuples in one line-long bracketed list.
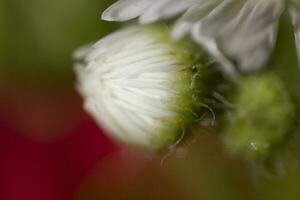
[(140, 85), (245, 30)]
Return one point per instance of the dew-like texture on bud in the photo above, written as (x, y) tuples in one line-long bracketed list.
[(261, 117), (140, 85)]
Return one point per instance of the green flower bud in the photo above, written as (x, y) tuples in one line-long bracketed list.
[(261, 117), (141, 86)]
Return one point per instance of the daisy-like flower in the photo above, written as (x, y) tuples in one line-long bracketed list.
[(243, 31), (141, 85)]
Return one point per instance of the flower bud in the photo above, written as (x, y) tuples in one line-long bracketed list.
[(140, 85), (261, 117)]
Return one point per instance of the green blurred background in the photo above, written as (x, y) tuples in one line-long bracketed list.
[(38, 37)]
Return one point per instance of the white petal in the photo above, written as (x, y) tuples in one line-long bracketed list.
[(175, 7), (252, 38), (211, 46), (246, 30), (200, 10), (181, 28), (124, 10), (148, 10), (82, 52), (153, 13), (295, 14), (255, 53), (164, 9), (221, 17), (298, 43)]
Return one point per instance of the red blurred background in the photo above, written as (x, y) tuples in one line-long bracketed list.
[(50, 149)]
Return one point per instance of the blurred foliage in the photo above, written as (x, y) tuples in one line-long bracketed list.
[(280, 174), (38, 37), (207, 172), (261, 116)]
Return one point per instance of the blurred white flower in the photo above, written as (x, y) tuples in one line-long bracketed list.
[(240, 30), (140, 85), (147, 10)]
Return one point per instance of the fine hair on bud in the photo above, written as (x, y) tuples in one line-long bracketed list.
[(141, 86)]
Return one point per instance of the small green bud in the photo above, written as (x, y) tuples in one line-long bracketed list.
[(261, 116)]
